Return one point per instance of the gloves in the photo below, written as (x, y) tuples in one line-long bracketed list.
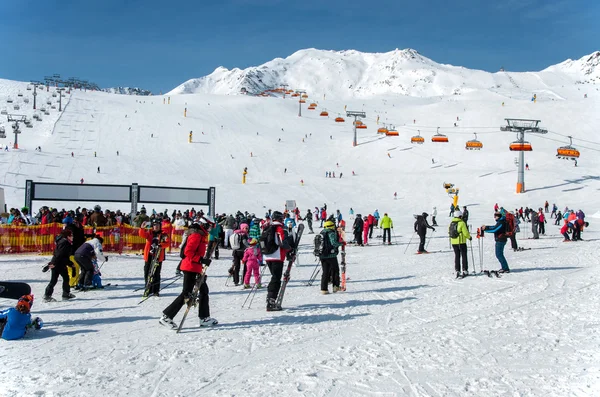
[(433, 228), (106, 259), (46, 268), (206, 261), (470, 238)]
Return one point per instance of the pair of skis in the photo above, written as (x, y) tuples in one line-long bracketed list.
[(291, 256), (192, 299), (153, 267)]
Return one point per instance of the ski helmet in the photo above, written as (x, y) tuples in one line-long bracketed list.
[(329, 225), (277, 216), (156, 222), (97, 208), (24, 304), (457, 214)]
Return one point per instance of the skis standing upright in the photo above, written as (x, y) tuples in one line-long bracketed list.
[(192, 299), (156, 250), (343, 263), (291, 256)]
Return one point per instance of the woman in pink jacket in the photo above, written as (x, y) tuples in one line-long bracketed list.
[(252, 259), (365, 230)]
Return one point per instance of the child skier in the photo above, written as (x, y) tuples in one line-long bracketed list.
[(252, 259), (97, 277), (15, 322)]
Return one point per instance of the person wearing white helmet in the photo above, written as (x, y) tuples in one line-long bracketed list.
[(459, 234)]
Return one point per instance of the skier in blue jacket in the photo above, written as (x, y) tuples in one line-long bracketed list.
[(499, 230)]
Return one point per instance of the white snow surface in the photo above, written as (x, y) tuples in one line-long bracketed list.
[(351, 73), (403, 328)]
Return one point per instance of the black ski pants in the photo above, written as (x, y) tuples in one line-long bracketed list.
[(421, 242), (542, 227), (189, 280), (238, 255), (63, 272), (358, 238), (576, 233), (387, 231), (155, 287), (211, 244), (331, 271), (460, 251), (513, 241), (310, 225), (371, 230), (86, 270), (276, 269)]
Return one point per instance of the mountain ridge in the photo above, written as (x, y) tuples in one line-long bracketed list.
[(351, 73)]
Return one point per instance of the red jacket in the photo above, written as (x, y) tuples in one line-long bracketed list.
[(279, 255), (149, 236), (195, 248), (371, 219)]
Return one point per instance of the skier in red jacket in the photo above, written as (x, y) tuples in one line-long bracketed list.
[(193, 265)]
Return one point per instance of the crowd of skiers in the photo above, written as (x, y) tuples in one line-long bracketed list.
[(76, 256)]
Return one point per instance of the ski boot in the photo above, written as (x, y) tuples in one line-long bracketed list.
[(167, 322), (208, 321)]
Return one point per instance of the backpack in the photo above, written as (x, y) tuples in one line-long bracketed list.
[(182, 250), (453, 230), (268, 245), (510, 224), (235, 241), (322, 244)]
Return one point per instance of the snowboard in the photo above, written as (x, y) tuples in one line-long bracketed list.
[(14, 290)]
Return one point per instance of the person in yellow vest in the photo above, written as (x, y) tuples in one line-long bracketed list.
[(459, 234)]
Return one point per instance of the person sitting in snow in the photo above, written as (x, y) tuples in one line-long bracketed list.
[(15, 322)]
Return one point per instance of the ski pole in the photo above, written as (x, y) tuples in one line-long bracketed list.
[(472, 256), (254, 289), (314, 273), (163, 280), (168, 285), (409, 241), (101, 265), (428, 241)]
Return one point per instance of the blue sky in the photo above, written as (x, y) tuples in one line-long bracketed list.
[(159, 44)]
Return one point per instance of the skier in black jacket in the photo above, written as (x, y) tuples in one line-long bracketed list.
[(357, 229), (421, 226), (58, 265)]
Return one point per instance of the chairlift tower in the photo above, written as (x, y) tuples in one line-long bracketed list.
[(35, 85), (300, 101), (16, 119), (362, 115), (60, 91), (284, 86), (522, 126)]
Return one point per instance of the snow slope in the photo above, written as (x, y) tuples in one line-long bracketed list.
[(404, 327), (345, 74)]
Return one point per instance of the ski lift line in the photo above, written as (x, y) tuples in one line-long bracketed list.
[(454, 131), (575, 139), (562, 141)]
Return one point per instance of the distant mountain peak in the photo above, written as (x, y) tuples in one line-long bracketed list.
[(352, 73)]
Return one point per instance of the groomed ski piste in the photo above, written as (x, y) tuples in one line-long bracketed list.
[(404, 327)]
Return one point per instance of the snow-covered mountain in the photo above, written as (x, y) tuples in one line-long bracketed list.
[(586, 69), (344, 74), (128, 91)]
